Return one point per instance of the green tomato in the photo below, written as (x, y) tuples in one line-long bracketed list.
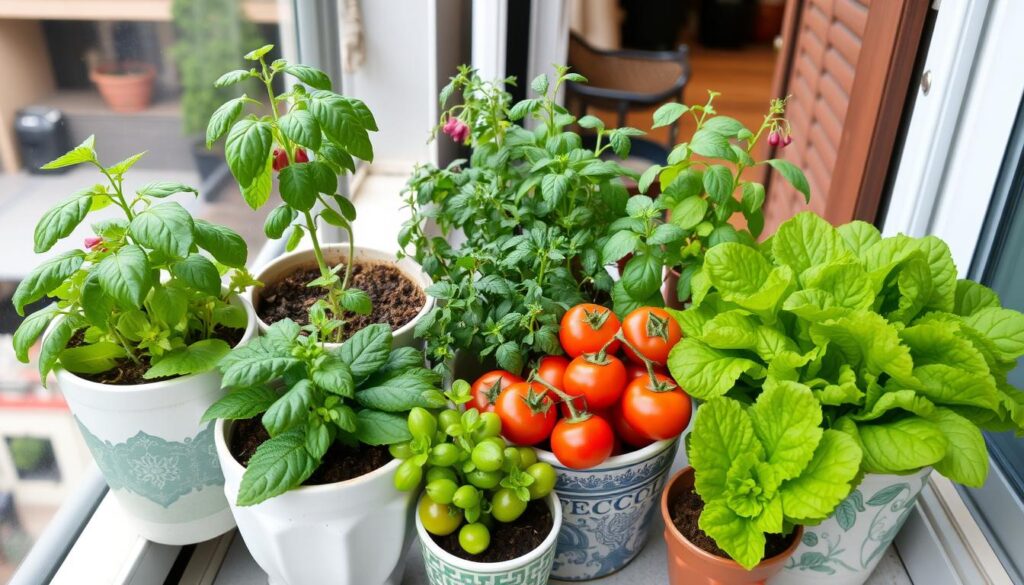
[(441, 473), (490, 426), (543, 480), (506, 505), (442, 490), (439, 519), (485, 480), (512, 458), (488, 457), (400, 450), (408, 476), (422, 423), (444, 455), (474, 538), (496, 441), (466, 497), (449, 418), (527, 456)]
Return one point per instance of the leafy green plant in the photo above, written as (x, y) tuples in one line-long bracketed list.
[(534, 206), (141, 290), (335, 129), (766, 467), (474, 477), (311, 396), (699, 194), (903, 358)]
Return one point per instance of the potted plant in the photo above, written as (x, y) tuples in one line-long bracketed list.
[(699, 195), (354, 286), (210, 37), (139, 322), (533, 207), (302, 438), (903, 358), (125, 85), (488, 513)]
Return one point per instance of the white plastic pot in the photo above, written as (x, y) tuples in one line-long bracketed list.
[(533, 568), (157, 458), (352, 532), (286, 264)]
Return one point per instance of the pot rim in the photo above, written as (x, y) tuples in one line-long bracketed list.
[(422, 280), (148, 70), (247, 335), (616, 462), (226, 458), (671, 528), (554, 504)]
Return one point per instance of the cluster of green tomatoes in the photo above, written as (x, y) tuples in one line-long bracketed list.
[(473, 477)]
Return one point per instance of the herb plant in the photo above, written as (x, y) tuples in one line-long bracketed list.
[(311, 396), (141, 291), (699, 194), (473, 477), (902, 357), (534, 206), (334, 128)]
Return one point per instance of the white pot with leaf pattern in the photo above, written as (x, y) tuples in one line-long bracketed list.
[(159, 460), (846, 547)]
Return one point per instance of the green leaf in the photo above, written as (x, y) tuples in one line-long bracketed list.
[(357, 301), (642, 276), (30, 330), (367, 350), (867, 342), (223, 243), (966, 459), (278, 221), (241, 404), (753, 197), (84, 152), (621, 244), (704, 371), (689, 212), (736, 535), (718, 183), (290, 410), (787, 421), (198, 357), (92, 359), (904, 445), (299, 185), (972, 297), (648, 177), (793, 175), (278, 465), (46, 277), (334, 376), (301, 127), (711, 144), (381, 428), (310, 76), (96, 304), (666, 233), (398, 394), (258, 192), (825, 481), (947, 385), (540, 84), (735, 268), (59, 222), (125, 275), (724, 125), (1003, 327), (122, 167), (859, 236), (55, 341), (161, 189), (256, 54), (342, 122), (199, 273), (807, 240), (247, 149), (590, 122), (233, 77), (222, 119), (722, 432), (510, 357), (166, 228), (668, 114), (252, 368)]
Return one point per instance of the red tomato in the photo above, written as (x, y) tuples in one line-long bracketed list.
[(527, 413), (487, 388), (583, 443), (600, 383), (586, 328), (658, 414), (653, 332), (551, 369), (280, 159), (625, 431), (635, 370), (301, 155)]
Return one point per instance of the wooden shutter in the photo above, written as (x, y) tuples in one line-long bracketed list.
[(847, 65)]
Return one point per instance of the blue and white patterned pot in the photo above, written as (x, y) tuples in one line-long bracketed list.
[(608, 510), (846, 547), (533, 568)]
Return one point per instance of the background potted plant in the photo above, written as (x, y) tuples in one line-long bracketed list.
[(905, 359), (302, 438), (698, 193), (138, 325), (372, 288), (126, 85)]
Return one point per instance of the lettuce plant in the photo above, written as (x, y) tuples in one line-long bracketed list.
[(699, 194), (141, 290), (904, 359), (311, 396)]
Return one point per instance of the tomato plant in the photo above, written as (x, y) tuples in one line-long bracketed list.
[(588, 328), (526, 414), (660, 410), (599, 378), (583, 442), (551, 369), (653, 332), (487, 388)]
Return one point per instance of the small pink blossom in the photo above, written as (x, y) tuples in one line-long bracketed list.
[(787, 140), (774, 138), (92, 241), (457, 129)]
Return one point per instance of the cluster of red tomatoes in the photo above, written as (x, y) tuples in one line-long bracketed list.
[(607, 403)]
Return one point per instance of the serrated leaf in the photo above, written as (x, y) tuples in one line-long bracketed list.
[(201, 356), (60, 221), (46, 277), (357, 301), (223, 243), (718, 183), (277, 466), (367, 350), (233, 77), (343, 123), (125, 276), (825, 481), (290, 410), (166, 228), (381, 428), (247, 149), (621, 244), (84, 152), (301, 127), (199, 273), (310, 76), (222, 119), (241, 404), (668, 114), (161, 189)]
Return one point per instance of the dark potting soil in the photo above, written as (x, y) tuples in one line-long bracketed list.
[(127, 372), (508, 541), (340, 463), (685, 510), (396, 299)]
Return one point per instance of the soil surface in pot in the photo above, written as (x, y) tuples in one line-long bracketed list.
[(508, 541), (127, 372), (685, 510), (340, 463), (396, 299)]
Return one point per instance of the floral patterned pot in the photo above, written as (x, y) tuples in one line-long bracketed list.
[(608, 510), (533, 568), (351, 532), (286, 264), (846, 547), (159, 461)]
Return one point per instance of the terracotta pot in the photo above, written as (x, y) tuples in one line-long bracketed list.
[(125, 92), (688, 564)]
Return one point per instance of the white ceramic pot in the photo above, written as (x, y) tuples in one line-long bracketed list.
[(158, 459), (352, 532), (846, 547), (533, 568), (608, 509), (288, 263)]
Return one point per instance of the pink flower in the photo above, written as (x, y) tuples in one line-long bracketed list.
[(773, 138), (457, 129), (787, 140), (92, 241)]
